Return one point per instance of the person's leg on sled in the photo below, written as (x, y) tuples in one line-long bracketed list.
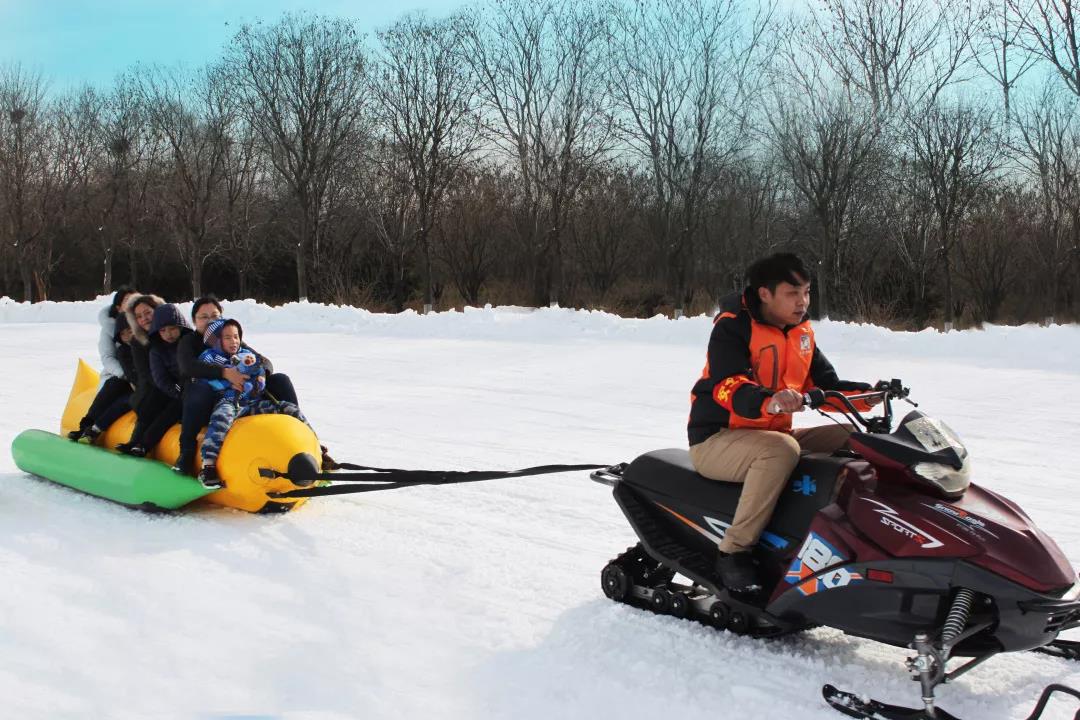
[(221, 420)]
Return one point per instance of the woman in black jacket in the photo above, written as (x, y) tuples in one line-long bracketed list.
[(168, 327)]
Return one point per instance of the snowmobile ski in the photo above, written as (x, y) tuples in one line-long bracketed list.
[(1065, 649), (854, 706)]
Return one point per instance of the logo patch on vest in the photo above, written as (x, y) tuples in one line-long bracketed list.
[(804, 343)]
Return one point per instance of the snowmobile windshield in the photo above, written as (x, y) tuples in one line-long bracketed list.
[(935, 435)]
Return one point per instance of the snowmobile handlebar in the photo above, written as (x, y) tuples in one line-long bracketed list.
[(885, 390)]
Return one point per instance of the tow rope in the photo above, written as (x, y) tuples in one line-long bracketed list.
[(368, 479)]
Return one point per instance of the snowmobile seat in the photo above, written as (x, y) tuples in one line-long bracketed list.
[(668, 476)]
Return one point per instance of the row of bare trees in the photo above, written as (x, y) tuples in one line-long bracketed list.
[(628, 154)]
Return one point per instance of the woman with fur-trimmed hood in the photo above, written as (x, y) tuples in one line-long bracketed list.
[(147, 401)]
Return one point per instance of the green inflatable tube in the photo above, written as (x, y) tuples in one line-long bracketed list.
[(136, 482)]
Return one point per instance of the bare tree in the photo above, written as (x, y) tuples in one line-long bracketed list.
[(1049, 150), (906, 221), (246, 185), (681, 77), (828, 148), (1050, 32), (76, 157), (987, 251), (473, 227), (957, 149), (129, 150), (995, 41), (188, 111), (892, 52), (427, 100), (302, 81), (541, 71), (603, 225), (26, 169), (389, 204)]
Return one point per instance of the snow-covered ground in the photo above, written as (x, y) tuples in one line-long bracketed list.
[(479, 600)]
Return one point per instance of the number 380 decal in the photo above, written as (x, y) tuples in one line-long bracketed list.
[(815, 556)]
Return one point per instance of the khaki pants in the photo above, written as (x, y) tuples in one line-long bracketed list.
[(762, 460)]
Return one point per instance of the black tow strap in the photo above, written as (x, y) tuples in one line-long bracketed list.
[(368, 479)]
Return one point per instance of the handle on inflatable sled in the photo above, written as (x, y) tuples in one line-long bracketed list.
[(368, 479)]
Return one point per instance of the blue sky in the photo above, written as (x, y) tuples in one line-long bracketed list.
[(73, 41)]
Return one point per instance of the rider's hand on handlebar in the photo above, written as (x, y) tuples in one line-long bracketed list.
[(785, 401)]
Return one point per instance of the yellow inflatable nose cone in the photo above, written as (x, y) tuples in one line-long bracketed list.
[(254, 445)]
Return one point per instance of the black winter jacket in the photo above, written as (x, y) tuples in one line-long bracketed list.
[(164, 366)]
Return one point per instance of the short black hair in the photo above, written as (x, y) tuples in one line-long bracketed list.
[(118, 297), (768, 272), (236, 324), (205, 300)]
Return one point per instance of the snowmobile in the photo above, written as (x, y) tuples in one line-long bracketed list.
[(887, 539)]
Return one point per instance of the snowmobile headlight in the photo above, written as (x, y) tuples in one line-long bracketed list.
[(948, 479)]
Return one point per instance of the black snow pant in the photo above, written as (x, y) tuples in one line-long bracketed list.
[(281, 388), (168, 416), (120, 407), (147, 408), (114, 389), (200, 399)]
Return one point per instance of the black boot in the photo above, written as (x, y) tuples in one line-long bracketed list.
[(184, 462), (209, 477), (134, 449), (738, 572), (89, 435)]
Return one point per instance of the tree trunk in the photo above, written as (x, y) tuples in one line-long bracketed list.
[(133, 265), (301, 272), (27, 276), (426, 242), (555, 277), (42, 286), (196, 278), (242, 278), (301, 254), (106, 282), (823, 293), (947, 268), (678, 285)]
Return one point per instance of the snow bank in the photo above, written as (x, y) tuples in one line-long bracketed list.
[(1056, 347)]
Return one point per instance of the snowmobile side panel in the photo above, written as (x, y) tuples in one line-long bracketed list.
[(136, 482), (667, 477)]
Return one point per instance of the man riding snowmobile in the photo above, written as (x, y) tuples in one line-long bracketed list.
[(762, 358)]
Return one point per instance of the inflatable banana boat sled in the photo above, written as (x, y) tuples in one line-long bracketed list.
[(259, 456)]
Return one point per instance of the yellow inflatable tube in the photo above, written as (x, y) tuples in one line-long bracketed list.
[(260, 442)]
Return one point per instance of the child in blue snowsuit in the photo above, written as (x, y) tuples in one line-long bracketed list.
[(223, 339)]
